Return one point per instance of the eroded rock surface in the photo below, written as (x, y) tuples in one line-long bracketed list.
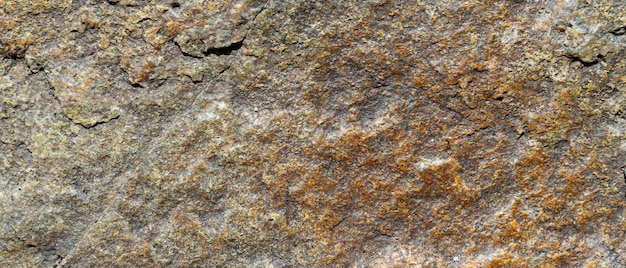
[(312, 133)]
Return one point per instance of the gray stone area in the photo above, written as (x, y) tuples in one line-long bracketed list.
[(264, 133)]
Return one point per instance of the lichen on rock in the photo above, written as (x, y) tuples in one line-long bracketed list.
[(312, 133)]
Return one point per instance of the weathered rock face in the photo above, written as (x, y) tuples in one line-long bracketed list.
[(312, 133)]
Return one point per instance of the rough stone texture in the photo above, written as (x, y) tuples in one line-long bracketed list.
[(299, 133)]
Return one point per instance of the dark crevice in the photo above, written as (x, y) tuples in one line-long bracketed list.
[(618, 31), (17, 54), (379, 234), (185, 53), (189, 55), (337, 224), (136, 85), (623, 168), (263, 8), (59, 261), (36, 68), (225, 69), (228, 50), (98, 123), (29, 151), (577, 58), (143, 19)]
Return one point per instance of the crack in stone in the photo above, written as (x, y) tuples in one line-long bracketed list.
[(96, 122), (228, 50)]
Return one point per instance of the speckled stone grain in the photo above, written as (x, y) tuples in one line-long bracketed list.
[(265, 133)]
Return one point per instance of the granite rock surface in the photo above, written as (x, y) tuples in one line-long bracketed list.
[(264, 133)]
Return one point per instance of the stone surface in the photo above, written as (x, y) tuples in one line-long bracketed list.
[(312, 133)]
